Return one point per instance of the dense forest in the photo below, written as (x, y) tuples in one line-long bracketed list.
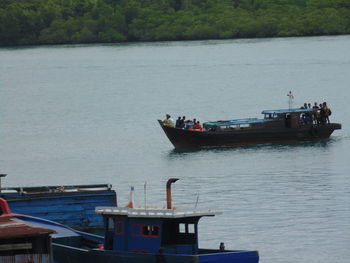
[(26, 22)]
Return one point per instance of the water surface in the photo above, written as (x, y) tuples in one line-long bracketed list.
[(81, 114)]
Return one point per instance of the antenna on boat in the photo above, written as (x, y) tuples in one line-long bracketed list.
[(290, 99), (145, 194), (197, 201), (131, 198)]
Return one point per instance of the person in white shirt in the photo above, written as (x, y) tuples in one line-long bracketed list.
[(168, 121)]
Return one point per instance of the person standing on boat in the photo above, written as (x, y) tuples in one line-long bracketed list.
[(178, 122), (316, 114), (290, 99), (168, 121), (327, 112), (183, 122)]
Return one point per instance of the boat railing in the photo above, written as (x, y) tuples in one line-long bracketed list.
[(56, 189)]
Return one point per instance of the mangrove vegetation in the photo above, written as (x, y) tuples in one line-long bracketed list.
[(27, 22)]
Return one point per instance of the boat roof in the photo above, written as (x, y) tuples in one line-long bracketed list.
[(281, 111), (234, 122), (255, 120), (11, 227), (154, 213)]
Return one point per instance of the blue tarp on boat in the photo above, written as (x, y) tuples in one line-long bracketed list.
[(282, 111), (234, 122), (254, 120)]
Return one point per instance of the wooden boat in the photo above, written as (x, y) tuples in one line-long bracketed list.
[(277, 126), (71, 205), (141, 235), (22, 242)]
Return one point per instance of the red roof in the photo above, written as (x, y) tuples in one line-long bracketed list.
[(11, 227)]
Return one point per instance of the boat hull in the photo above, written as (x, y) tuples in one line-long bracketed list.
[(76, 255), (74, 207), (71, 246), (181, 138)]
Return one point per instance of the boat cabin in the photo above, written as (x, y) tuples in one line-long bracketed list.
[(293, 118), (167, 231), (22, 242)]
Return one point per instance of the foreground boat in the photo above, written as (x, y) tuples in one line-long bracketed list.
[(277, 126), (22, 242), (71, 205), (141, 235)]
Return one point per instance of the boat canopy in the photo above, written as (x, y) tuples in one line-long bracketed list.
[(233, 122), (154, 213), (283, 111)]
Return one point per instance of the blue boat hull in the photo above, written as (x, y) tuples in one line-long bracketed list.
[(74, 209), (71, 246), (68, 254)]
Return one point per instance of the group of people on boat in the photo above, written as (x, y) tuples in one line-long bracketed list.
[(183, 123), (321, 113)]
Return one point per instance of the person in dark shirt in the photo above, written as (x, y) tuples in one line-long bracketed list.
[(316, 115), (183, 122), (327, 112), (178, 123)]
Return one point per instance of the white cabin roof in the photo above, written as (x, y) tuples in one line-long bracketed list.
[(154, 213)]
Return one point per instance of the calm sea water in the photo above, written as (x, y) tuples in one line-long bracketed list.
[(87, 114)]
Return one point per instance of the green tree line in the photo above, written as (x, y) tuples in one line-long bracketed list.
[(27, 22)]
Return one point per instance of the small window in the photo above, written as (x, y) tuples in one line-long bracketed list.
[(145, 230), (119, 228), (110, 223), (155, 231), (148, 231), (191, 229), (182, 228)]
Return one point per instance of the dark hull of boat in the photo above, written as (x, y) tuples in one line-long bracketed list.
[(187, 139), (68, 254)]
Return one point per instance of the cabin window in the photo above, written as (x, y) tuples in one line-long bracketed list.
[(119, 228), (182, 228), (191, 229), (187, 228), (110, 224), (146, 230), (155, 231)]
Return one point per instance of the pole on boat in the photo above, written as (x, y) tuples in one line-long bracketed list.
[(131, 197), (145, 193), (168, 192), (2, 175), (290, 99)]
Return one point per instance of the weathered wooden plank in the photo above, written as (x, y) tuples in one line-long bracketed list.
[(18, 246), (75, 209)]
